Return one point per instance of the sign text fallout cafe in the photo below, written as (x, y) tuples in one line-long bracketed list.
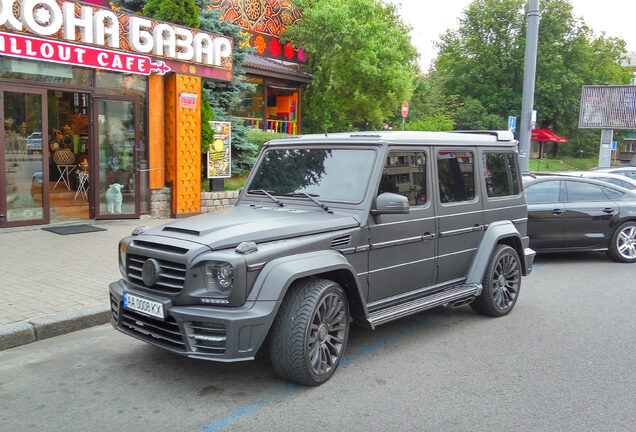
[(83, 35)]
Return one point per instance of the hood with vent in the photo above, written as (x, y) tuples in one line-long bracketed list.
[(230, 227)]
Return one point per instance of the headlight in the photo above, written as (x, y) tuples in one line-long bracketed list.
[(219, 275)]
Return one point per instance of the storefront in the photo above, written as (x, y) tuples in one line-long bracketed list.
[(98, 108), (274, 68)]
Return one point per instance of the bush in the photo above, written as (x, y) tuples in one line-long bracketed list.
[(260, 137)]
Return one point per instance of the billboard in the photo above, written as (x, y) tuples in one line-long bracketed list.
[(608, 107), (220, 154)]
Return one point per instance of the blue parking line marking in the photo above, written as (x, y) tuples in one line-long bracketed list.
[(292, 388)]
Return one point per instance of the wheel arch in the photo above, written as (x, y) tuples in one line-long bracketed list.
[(278, 276), (502, 232)]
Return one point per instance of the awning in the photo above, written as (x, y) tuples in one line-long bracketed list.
[(546, 135)]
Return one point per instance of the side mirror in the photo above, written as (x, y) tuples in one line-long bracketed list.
[(390, 203)]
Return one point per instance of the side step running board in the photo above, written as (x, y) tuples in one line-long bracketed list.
[(452, 295)]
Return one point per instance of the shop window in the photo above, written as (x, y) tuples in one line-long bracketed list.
[(252, 106), (45, 72)]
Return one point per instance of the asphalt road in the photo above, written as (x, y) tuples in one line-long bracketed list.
[(562, 360)]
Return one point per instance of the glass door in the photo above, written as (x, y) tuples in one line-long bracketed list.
[(23, 152), (117, 140)]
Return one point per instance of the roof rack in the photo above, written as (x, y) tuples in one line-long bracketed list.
[(502, 135)]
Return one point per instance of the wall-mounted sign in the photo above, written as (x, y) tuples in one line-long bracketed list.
[(188, 100), (220, 154), (76, 26)]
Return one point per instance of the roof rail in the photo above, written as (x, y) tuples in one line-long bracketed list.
[(502, 135)]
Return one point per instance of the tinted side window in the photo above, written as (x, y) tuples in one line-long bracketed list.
[(501, 174), (405, 174), (578, 191), (544, 192), (612, 193), (456, 171)]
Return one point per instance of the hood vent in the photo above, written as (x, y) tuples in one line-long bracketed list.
[(159, 247), (182, 230), (340, 241)]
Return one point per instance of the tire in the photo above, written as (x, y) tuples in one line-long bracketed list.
[(309, 335), (622, 246), (501, 283)]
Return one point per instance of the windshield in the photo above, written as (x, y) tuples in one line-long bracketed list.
[(331, 174)]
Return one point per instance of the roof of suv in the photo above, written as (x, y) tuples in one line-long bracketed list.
[(491, 138)]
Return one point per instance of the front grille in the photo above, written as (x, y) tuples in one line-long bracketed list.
[(171, 278), (165, 333), (114, 308), (206, 337)]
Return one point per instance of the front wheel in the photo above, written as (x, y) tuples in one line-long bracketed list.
[(623, 244), (309, 334), (501, 283)]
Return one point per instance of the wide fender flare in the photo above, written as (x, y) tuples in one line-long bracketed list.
[(276, 277), (495, 232)]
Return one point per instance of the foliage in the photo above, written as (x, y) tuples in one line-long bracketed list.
[(433, 122), (483, 62), (286, 171), (362, 61), (184, 12), (565, 164), (132, 6), (223, 95), (207, 115), (259, 137)]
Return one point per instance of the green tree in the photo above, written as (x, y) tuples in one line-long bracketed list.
[(483, 62), (184, 12), (362, 61)]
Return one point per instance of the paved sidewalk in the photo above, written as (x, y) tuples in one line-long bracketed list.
[(52, 284)]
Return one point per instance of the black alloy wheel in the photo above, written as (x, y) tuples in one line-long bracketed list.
[(501, 283), (309, 335)]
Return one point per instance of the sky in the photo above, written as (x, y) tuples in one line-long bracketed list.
[(431, 18)]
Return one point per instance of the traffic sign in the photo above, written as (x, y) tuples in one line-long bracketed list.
[(613, 145), (512, 123), (405, 109)]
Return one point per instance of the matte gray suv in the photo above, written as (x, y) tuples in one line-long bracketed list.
[(330, 229)]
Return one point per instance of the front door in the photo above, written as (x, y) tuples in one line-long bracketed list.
[(117, 140), (23, 152)]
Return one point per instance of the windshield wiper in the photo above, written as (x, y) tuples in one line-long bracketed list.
[(311, 197), (270, 196)]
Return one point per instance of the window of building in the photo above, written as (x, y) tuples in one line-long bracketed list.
[(33, 70), (405, 174), (501, 174), (456, 172), (252, 105)]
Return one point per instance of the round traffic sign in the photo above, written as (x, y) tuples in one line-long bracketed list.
[(405, 109)]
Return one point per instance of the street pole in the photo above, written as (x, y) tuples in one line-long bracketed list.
[(529, 75)]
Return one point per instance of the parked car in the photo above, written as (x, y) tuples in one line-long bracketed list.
[(627, 171), (329, 229), (578, 214), (34, 143), (615, 179)]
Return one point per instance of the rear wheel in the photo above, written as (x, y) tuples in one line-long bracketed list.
[(623, 244), (309, 334), (501, 283)]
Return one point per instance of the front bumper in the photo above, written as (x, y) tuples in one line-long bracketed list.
[(203, 332)]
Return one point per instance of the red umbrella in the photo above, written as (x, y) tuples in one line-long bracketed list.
[(546, 135)]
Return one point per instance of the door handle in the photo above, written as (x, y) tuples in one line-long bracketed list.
[(608, 210), (429, 236), (557, 212)]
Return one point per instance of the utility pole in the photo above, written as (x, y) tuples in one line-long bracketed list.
[(529, 75)]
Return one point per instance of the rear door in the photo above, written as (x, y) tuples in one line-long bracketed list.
[(590, 215), (460, 212), (546, 214)]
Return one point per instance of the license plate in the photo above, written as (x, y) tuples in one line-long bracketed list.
[(143, 305)]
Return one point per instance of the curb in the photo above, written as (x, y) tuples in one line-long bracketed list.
[(44, 327)]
